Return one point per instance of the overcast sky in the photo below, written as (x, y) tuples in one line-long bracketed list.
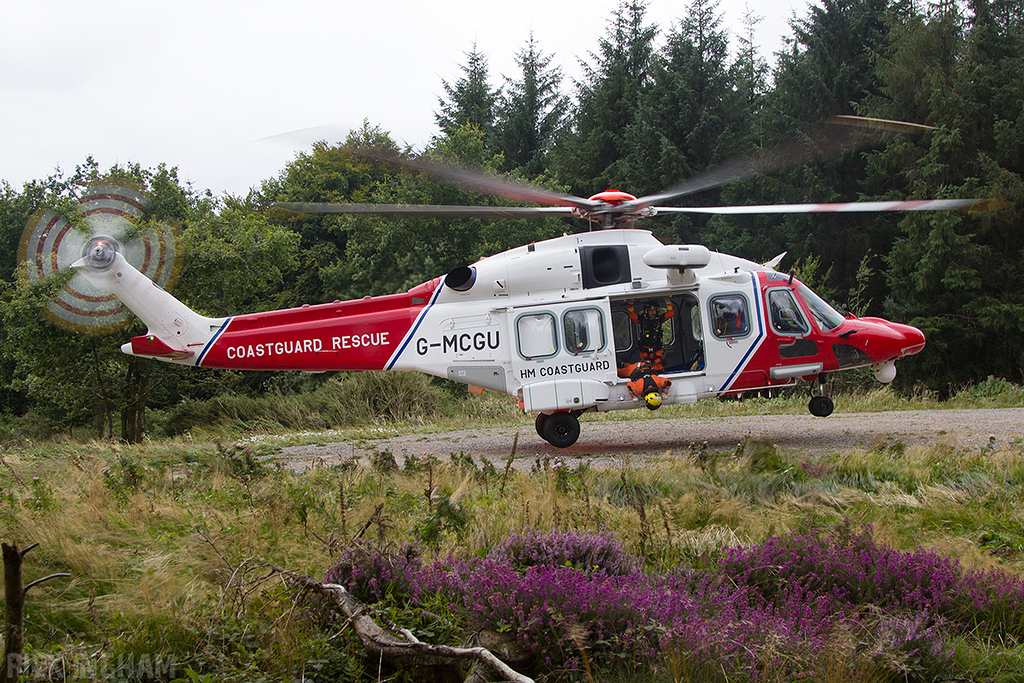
[(202, 84)]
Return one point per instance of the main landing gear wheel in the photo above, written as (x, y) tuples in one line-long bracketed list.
[(560, 429), (541, 419), (821, 406)]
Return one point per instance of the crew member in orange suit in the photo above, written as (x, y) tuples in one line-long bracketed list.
[(649, 323), (644, 382)]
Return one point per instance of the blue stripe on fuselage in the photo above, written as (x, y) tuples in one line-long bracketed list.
[(415, 326), (214, 338), (757, 342)]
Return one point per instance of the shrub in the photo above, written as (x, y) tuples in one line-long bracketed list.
[(347, 399), (852, 568), (600, 553), (992, 391), (564, 600), (375, 571), (397, 396), (445, 516)]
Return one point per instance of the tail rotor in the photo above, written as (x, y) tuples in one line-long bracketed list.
[(109, 219)]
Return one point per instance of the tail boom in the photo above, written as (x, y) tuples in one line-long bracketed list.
[(364, 334)]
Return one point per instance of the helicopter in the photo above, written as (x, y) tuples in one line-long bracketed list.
[(609, 319)]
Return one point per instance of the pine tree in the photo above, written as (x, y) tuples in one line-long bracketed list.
[(828, 68), (959, 276), (471, 100), (692, 116), (591, 153), (750, 70), (530, 112)]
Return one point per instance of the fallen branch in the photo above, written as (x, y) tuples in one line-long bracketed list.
[(405, 647)]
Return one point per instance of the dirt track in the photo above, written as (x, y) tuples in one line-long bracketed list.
[(608, 443)]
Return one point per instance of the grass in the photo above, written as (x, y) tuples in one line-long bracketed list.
[(168, 542)]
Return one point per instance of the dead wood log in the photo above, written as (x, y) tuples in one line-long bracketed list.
[(404, 647)]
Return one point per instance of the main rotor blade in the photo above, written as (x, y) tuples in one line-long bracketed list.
[(474, 179), (425, 210), (830, 137), (879, 124), (841, 207)]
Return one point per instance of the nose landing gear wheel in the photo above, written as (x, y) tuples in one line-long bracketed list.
[(821, 406), (561, 429)]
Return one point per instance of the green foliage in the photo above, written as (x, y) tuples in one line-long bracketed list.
[(170, 544), (950, 273), (41, 496), (384, 255), (194, 677), (343, 172), (43, 361), (592, 150), (345, 399), (691, 117), (445, 517), (761, 456), (235, 262), (383, 462), (994, 392), (124, 478)]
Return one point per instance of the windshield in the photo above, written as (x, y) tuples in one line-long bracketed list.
[(828, 318)]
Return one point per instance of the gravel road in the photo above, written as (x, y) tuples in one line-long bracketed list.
[(606, 444)]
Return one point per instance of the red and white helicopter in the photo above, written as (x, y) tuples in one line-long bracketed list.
[(604, 320)]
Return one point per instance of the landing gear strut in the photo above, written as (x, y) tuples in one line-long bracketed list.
[(820, 405), (560, 429)]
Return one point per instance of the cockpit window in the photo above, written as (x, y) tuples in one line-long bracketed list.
[(828, 318)]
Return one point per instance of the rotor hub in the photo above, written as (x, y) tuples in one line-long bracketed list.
[(100, 252), (613, 197)]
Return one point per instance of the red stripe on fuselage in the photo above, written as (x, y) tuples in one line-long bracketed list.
[(350, 335)]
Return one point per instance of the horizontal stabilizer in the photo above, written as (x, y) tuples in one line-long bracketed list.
[(149, 345)]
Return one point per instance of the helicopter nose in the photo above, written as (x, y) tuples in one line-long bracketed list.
[(883, 341), (913, 339)]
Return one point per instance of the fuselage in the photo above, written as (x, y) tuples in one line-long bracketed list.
[(548, 323)]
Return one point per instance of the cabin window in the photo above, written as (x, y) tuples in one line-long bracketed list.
[(668, 332), (785, 312), (584, 330), (729, 316), (536, 335)]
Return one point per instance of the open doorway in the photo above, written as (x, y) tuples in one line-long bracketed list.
[(682, 336)]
